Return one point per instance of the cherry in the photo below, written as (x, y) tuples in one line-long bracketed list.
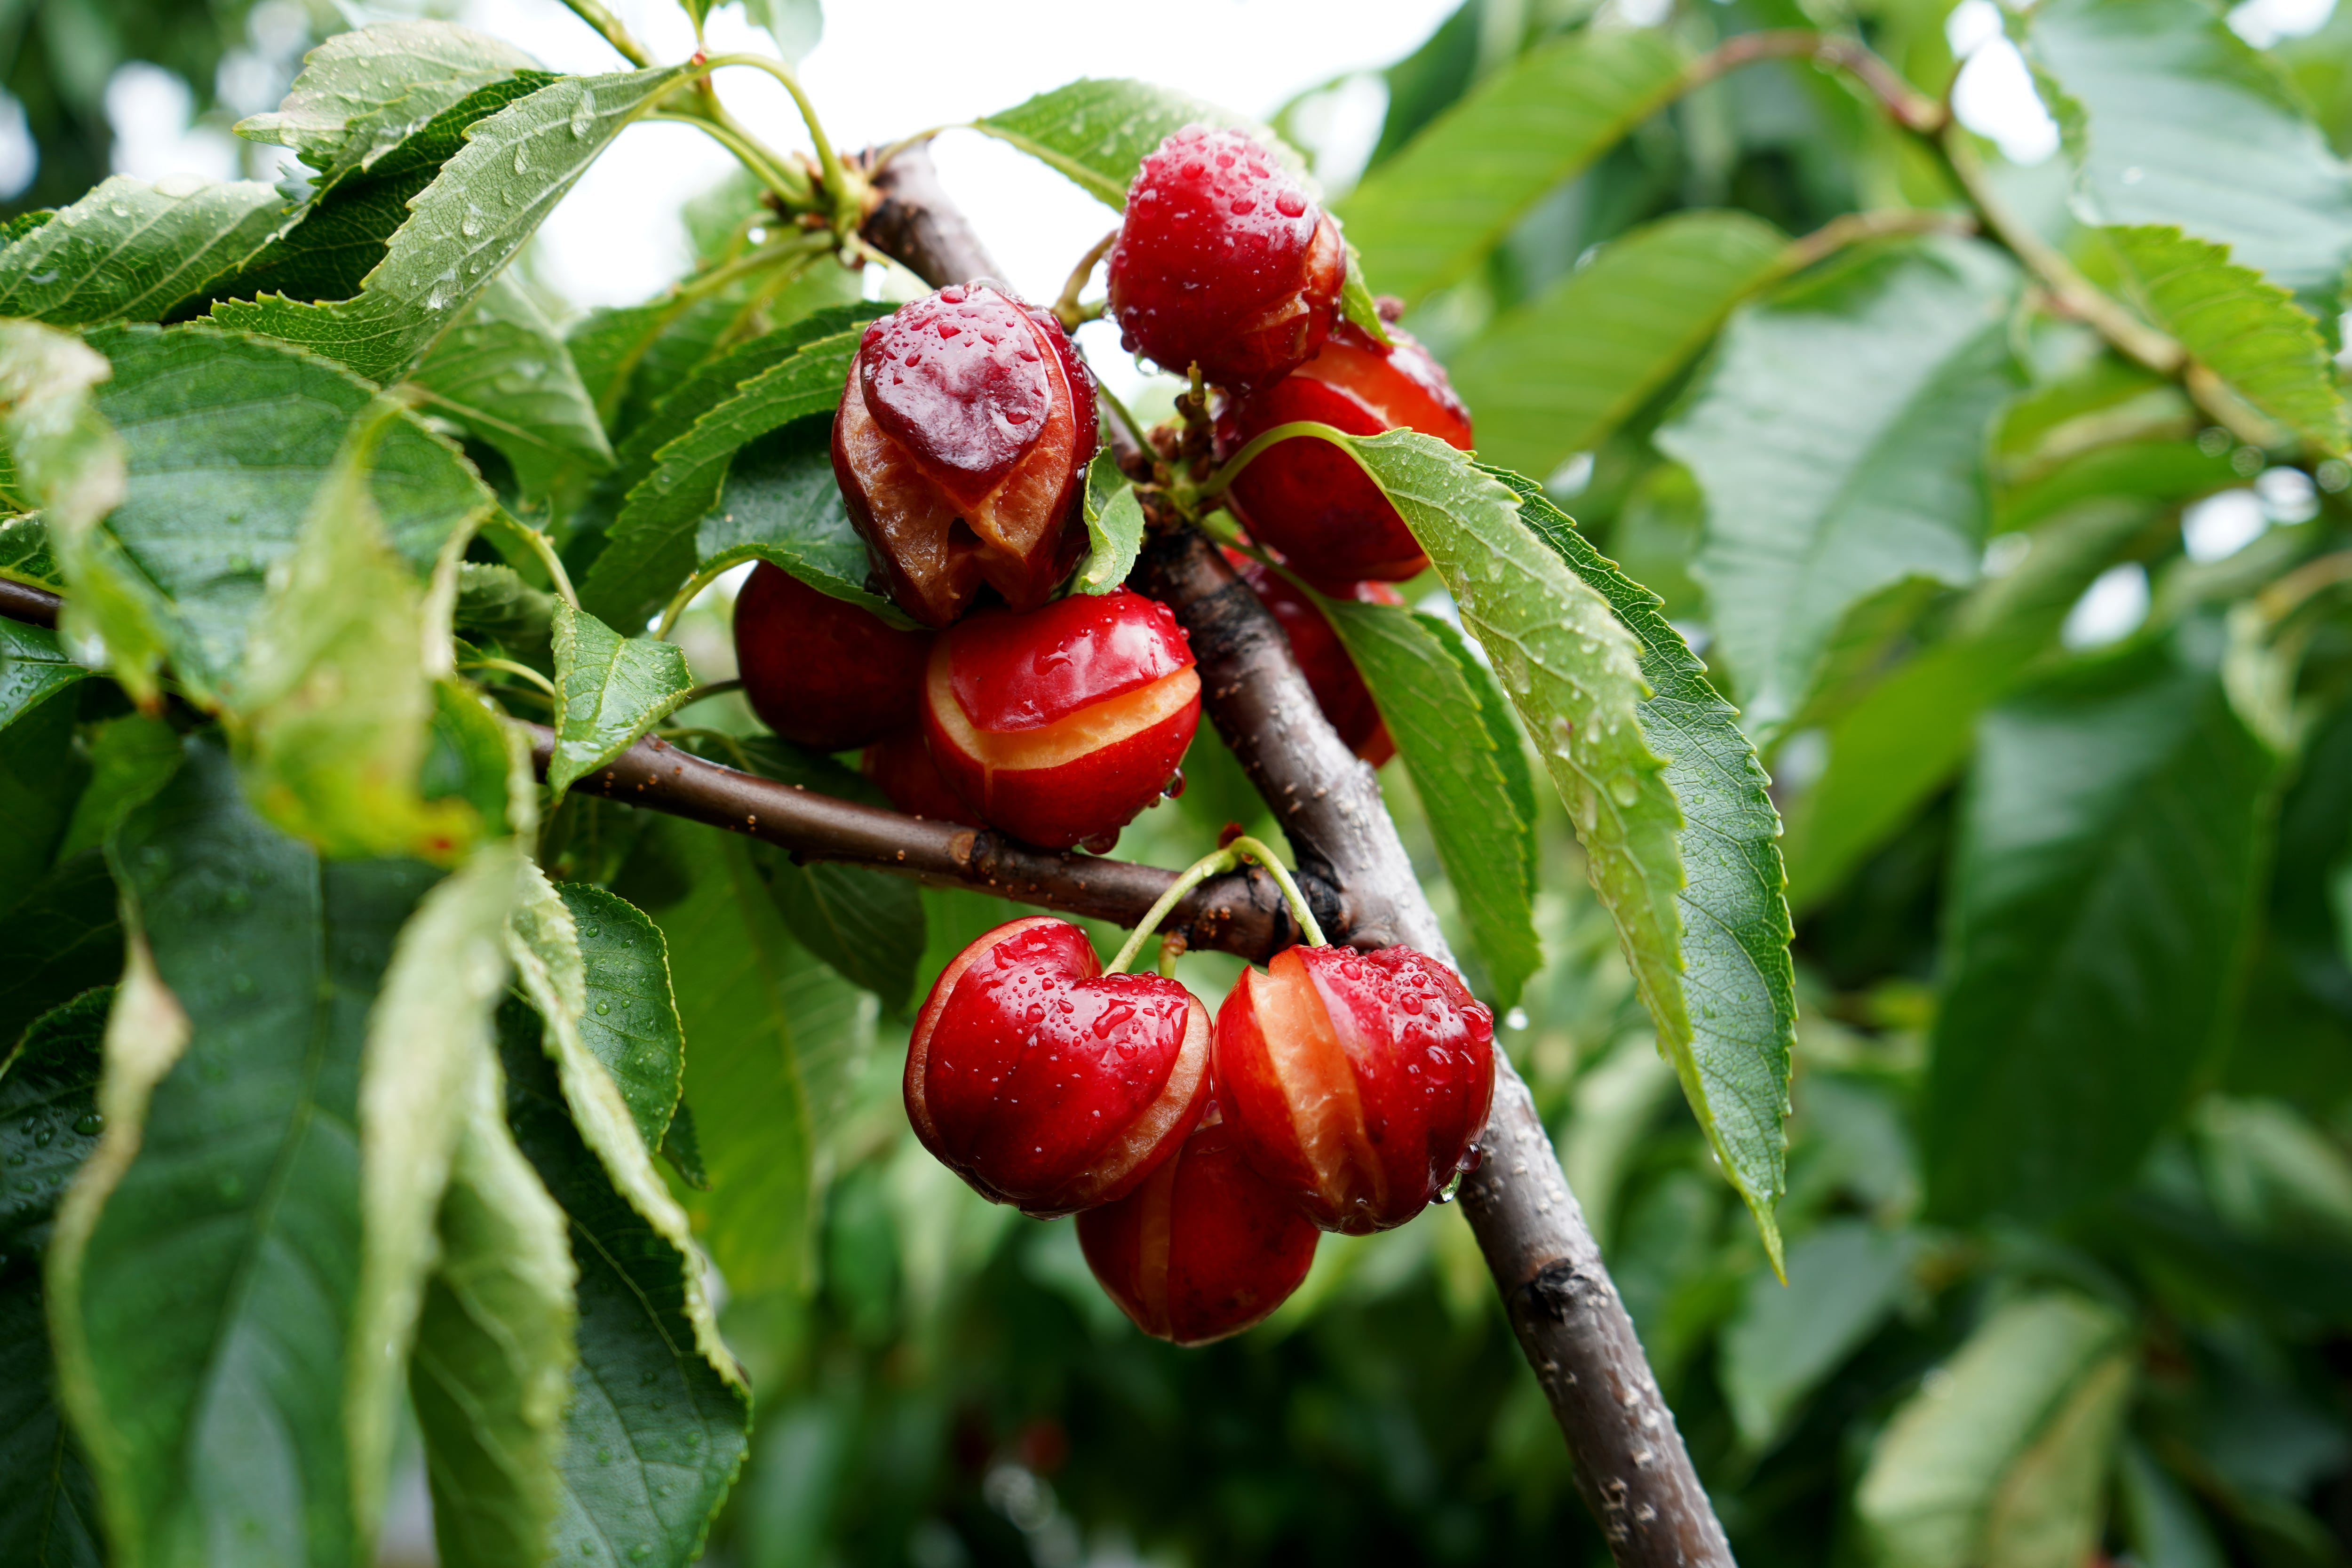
[(1223, 260), (821, 671), (1338, 685), (1307, 498), (1059, 725), (1045, 1082), (1356, 1081), (1205, 1248), (900, 765), (961, 447)]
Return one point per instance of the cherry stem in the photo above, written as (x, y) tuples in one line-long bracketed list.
[(1217, 483), (509, 667), (544, 548), (612, 30), (1214, 864), (1172, 948), (686, 595), (1066, 308), (847, 197)]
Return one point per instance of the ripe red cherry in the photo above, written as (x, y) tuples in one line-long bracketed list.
[(821, 671), (1205, 1248), (1357, 1081), (900, 765), (1338, 685), (1045, 1082), (961, 447), (1307, 499), (1223, 259), (1058, 726)]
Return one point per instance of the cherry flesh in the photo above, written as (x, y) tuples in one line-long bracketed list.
[(1338, 685), (821, 671)]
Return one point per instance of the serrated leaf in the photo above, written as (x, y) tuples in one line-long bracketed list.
[(503, 373), (1445, 714), (2172, 120), (1096, 130), (466, 225), (1736, 984), (1114, 516), (1553, 376), (132, 251), (682, 1149), (40, 775), (779, 503), (495, 605), (205, 1275), (24, 553), (1840, 440), (32, 669), (2244, 330), (630, 1020), (2102, 891), (48, 1097), (609, 690), (1426, 216)]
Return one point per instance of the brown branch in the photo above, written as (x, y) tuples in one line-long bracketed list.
[(36, 606), (916, 225), (1905, 104)]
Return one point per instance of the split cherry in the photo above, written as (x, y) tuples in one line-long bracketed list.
[(900, 766), (820, 671)]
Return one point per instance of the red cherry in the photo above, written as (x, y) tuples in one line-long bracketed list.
[(1205, 1248), (1059, 725), (1357, 1081), (1221, 258), (900, 765), (1338, 685), (1307, 498), (961, 447), (821, 671), (1045, 1082)]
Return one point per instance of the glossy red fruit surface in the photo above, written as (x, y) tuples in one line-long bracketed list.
[(1059, 725), (1339, 687), (961, 445), (1357, 1081), (1205, 1248), (1223, 260), (821, 671), (1045, 1082), (1307, 498), (900, 765)]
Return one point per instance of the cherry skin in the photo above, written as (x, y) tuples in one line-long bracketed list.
[(961, 445), (820, 671), (1059, 725), (1047, 1084), (1356, 1082), (1223, 260), (1338, 685), (1307, 498), (900, 766), (1204, 1249)]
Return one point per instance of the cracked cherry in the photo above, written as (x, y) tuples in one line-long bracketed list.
[(961, 445), (1047, 1084), (1338, 685), (1223, 260), (1059, 725), (1309, 500), (1203, 1248), (1356, 1082), (821, 671)]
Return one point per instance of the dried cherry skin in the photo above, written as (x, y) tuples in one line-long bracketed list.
[(1356, 1082), (1309, 500), (1047, 1084), (960, 445), (821, 671), (1339, 686), (1203, 1248), (1058, 726), (1223, 260)]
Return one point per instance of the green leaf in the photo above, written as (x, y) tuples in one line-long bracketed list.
[(1845, 1280), (630, 1021), (795, 24), (466, 225), (40, 776), (492, 1371), (1357, 304), (867, 924), (132, 251), (1840, 440), (2101, 895), (1097, 130), (495, 605), (1426, 216), (774, 1039), (205, 1275), (779, 503), (653, 540), (1447, 718), (26, 555), (503, 373), (1733, 1024), (130, 759), (2005, 1459), (2172, 120), (49, 1105), (682, 1149), (1114, 527), (1551, 378), (58, 939), (32, 669), (2245, 331), (610, 690)]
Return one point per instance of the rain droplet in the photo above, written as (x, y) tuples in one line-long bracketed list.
[(89, 1123)]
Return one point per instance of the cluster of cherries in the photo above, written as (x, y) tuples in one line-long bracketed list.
[(1347, 1087)]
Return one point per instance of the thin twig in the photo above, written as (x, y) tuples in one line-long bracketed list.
[(613, 31), (544, 548), (1910, 108), (1066, 308)]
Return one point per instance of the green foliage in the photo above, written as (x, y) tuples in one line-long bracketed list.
[(132, 251), (32, 669), (1097, 132), (629, 1019), (780, 504), (1114, 527), (609, 690), (503, 373)]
